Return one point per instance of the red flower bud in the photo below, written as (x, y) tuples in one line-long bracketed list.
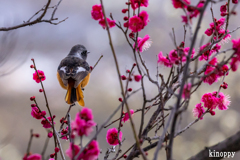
[(65, 121), (124, 10), (123, 77), (131, 35), (32, 98), (36, 135), (56, 149), (224, 14), (32, 59), (128, 71), (134, 64), (32, 66), (130, 79), (40, 90), (72, 136), (61, 120), (125, 156), (52, 155), (125, 18), (129, 89), (120, 99), (234, 12), (91, 68), (212, 112), (33, 105)]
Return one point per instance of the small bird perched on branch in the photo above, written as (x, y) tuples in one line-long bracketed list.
[(73, 74)]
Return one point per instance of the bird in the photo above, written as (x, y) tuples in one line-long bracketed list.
[(73, 74)]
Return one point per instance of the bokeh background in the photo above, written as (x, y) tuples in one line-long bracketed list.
[(49, 44)]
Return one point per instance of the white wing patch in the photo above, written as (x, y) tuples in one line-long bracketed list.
[(81, 69), (63, 69)]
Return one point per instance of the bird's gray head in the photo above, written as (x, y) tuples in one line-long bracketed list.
[(79, 51)]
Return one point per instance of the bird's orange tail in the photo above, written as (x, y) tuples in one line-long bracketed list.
[(74, 94), (80, 96)]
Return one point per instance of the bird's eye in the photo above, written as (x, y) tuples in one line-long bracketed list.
[(84, 53)]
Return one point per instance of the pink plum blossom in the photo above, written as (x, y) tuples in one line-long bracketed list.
[(111, 23), (143, 43), (72, 149), (186, 90), (91, 152), (41, 76), (198, 111), (223, 101), (144, 16), (135, 3), (34, 156), (164, 60), (212, 78), (236, 45), (97, 12), (135, 24), (83, 122), (37, 114), (179, 4), (126, 116), (112, 136), (45, 123), (209, 101)]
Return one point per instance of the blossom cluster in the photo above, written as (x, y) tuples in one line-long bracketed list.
[(82, 126), (97, 15), (217, 29), (191, 12), (176, 56), (211, 102)]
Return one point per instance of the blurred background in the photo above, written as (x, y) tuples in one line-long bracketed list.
[(49, 44)]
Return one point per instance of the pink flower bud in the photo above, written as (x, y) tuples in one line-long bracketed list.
[(50, 134), (137, 78)]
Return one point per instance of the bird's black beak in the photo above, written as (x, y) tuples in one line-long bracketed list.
[(88, 52)]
